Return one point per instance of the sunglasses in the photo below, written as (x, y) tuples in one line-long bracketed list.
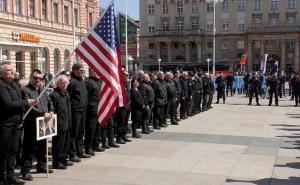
[(37, 78)]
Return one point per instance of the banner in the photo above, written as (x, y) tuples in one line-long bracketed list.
[(263, 63)]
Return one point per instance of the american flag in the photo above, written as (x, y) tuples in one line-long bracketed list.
[(101, 51)]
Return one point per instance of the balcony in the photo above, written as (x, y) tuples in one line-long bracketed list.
[(273, 29), (185, 32)]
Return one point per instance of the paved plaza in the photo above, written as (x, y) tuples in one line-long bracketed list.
[(231, 144)]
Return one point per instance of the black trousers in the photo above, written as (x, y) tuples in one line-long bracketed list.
[(122, 117), (275, 92), (171, 109), (77, 133), (229, 87), (60, 146), (9, 141), (30, 146), (107, 132), (297, 98), (205, 101), (253, 92), (199, 101), (158, 115), (90, 130), (221, 93), (183, 110), (210, 98)]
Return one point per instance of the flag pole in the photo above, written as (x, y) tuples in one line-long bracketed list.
[(65, 63), (126, 36), (73, 29)]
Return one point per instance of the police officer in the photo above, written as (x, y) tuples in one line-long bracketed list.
[(206, 92), (254, 83), (199, 89), (11, 108), (272, 82), (211, 91), (176, 81), (220, 81), (229, 84), (184, 95), (296, 89)]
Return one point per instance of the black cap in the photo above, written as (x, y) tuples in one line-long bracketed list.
[(76, 67)]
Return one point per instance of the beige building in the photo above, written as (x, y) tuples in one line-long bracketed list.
[(38, 33), (180, 32)]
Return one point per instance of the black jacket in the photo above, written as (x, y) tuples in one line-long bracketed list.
[(229, 79), (78, 94), (93, 86), (159, 87), (254, 83), (176, 81), (11, 104), (137, 105), (184, 86), (147, 92), (296, 86), (220, 82), (206, 86), (62, 107), (171, 89), (273, 83), (45, 105)]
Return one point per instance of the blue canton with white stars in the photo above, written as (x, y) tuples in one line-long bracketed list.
[(106, 28)]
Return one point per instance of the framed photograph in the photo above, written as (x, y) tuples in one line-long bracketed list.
[(46, 128)]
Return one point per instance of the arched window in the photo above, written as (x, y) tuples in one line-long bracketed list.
[(56, 59), (34, 64), (45, 64), (67, 63)]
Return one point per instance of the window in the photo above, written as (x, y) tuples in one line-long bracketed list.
[(18, 7), (209, 44), (241, 6), (273, 22), (31, 8), (44, 9), (291, 21), (56, 57), (195, 7), (2, 5), (291, 4), (151, 29), (195, 25), (66, 14), (240, 44), (274, 4), (257, 23), (165, 7), (241, 27), (55, 12), (290, 45), (209, 27), (225, 25), (165, 26), (179, 6), (90, 19), (225, 6), (76, 16), (151, 9), (257, 5), (210, 7), (151, 46), (179, 25)]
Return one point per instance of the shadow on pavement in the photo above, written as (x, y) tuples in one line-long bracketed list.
[(268, 181)]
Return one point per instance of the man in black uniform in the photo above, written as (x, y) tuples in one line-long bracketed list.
[(254, 83), (11, 108), (273, 84), (296, 89), (30, 145), (220, 81), (229, 83), (93, 85), (199, 89), (176, 81), (147, 92), (171, 91), (122, 114), (79, 100), (159, 87), (206, 92), (211, 91), (184, 95)]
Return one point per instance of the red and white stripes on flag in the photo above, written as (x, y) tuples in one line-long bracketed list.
[(101, 51)]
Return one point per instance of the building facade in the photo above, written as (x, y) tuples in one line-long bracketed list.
[(181, 32), (39, 33)]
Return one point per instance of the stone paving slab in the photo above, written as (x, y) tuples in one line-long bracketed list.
[(232, 144)]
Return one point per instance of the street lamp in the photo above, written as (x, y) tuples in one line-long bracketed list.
[(214, 33), (159, 60), (208, 60)]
